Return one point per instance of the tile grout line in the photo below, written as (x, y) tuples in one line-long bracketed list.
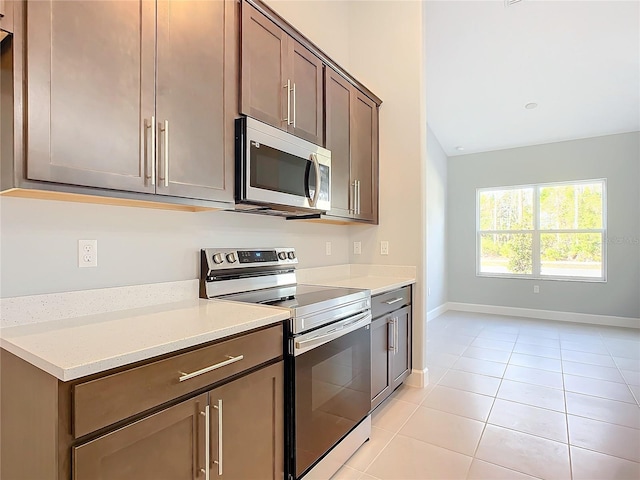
[(620, 371), (566, 412)]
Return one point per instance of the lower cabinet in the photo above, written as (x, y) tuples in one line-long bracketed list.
[(390, 343), (245, 417), (169, 444), (247, 426), (212, 411)]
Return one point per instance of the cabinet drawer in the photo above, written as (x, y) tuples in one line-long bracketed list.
[(390, 301), (104, 401)]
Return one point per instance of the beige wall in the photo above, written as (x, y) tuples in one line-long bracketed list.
[(324, 22), (386, 53)]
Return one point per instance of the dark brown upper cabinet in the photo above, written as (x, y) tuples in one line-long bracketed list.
[(6, 17), (145, 105), (281, 78), (352, 136)]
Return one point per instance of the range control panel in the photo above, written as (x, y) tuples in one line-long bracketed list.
[(222, 259)]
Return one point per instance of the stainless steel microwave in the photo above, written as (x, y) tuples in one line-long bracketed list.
[(277, 172)]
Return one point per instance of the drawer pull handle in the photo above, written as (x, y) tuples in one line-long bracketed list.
[(395, 300), (187, 376)]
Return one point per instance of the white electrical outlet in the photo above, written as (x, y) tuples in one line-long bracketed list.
[(357, 248), (87, 253), (384, 247), (536, 289), (328, 248), (428, 291)]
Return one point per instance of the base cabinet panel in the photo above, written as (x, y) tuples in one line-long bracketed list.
[(380, 377), (167, 445), (247, 426), (401, 361), (390, 343)]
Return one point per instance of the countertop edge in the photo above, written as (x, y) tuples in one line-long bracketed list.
[(99, 366)]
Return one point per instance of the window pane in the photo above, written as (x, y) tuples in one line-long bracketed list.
[(505, 253), (571, 254), (566, 207), (510, 209)]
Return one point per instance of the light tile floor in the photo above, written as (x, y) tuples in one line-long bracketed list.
[(512, 399)]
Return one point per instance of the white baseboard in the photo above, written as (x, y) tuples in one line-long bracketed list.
[(418, 378), (546, 314), (436, 312)]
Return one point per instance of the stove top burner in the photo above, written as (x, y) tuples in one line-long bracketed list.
[(267, 277)]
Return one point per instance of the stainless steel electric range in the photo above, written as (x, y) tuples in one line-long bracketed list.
[(328, 361)]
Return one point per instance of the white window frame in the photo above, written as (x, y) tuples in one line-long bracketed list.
[(536, 232)]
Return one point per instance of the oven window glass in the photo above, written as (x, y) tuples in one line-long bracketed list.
[(332, 394), (279, 171)]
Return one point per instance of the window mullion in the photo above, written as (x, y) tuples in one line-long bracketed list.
[(536, 268)]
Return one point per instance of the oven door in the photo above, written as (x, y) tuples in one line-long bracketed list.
[(280, 169), (332, 370)]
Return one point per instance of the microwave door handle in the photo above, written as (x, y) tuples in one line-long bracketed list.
[(316, 193)]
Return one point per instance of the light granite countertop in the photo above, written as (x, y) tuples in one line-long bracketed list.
[(72, 348), (376, 278), (74, 334)]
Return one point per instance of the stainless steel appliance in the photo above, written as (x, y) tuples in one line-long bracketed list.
[(279, 174), (328, 352)]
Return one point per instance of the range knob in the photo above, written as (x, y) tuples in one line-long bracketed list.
[(282, 255), (291, 255), (231, 257), (217, 258)]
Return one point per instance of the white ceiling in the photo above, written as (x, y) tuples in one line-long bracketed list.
[(579, 60)]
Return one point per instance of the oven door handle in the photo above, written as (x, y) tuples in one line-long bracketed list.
[(349, 326)]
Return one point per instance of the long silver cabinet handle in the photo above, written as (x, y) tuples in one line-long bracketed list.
[(395, 335), (294, 104), (288, 87), (219, 461), (390, 329), (152, 126), (187, 376), (352, 200), (358, 197), (395, 300), (207, 442), (166, 152)]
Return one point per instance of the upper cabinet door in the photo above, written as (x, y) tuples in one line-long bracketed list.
[(338, 135), (6, 16), (364, 156), (196, 100), (264, 51), (306, 94), (90, 93)]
